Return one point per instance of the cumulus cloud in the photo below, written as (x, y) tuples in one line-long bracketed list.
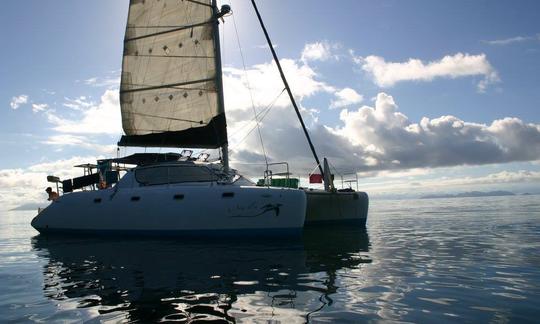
[(112, 81), (367, 139), (394, 142), (346, 97), (319, 51), (387, 74), (63, 140), (382, 139), (23, 186), (501, 177), (17, 101), (36, 107), (79, 103), (389, 183), (512, 40), (265, 84), (96, 118)]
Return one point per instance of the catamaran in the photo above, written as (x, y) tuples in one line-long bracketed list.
[(171, 95)]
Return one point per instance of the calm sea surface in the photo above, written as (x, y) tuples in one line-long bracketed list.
[(444, 260)]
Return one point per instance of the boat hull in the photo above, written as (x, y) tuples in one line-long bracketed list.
[(176, 211), (336, 208)]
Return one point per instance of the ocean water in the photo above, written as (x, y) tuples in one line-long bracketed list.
[(437, 260)]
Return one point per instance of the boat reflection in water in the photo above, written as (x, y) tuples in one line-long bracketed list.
[(224, 281)]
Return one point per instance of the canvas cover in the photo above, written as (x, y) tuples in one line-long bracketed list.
[(169, 90)]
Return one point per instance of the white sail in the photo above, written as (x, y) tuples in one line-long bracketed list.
[(169, 88)]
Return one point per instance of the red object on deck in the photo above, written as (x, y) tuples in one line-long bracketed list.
[(315, 178)]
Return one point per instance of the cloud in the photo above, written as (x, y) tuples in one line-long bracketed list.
[(346, 97), (111, 81), (512, 40), (380, 139), (101, 118), (266, 46), (80, 142), (319, 51), (501, 177), (387, 74), (368, 139), (17, 101), (265, 84), (383, 184), (388, 137), (39, 107), (80, 103), (26, 185), (49, 92)]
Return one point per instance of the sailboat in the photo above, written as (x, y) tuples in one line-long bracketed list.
[(171, 95)]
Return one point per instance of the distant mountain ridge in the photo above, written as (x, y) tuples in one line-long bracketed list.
[(470, 194)]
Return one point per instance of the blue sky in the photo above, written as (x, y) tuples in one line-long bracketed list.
[(64, 57)]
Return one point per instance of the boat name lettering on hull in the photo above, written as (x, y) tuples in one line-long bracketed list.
[(255, 211)]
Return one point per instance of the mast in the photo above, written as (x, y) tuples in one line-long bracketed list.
[(288, 88), (219, 82)]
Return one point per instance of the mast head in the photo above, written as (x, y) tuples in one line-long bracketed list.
[(225, 9)]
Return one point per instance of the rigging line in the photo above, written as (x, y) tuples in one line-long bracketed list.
[(261, 113), (286, 84), (267, 110), (335, 170), (252, 129), (315, 168), (250, 92)]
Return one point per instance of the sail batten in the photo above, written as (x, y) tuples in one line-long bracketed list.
[(172, 85), (174, 29), (170, 90)]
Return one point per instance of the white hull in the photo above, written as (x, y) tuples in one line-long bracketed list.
[(176, 210), (336, 207)]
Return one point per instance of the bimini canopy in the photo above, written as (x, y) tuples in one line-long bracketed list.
[(169, 88), (146, 158)]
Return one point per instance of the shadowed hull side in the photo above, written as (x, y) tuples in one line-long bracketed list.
[(345, 208)]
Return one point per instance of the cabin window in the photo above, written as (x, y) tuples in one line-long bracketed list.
[(190, 174), (173, 174), (152, 176)]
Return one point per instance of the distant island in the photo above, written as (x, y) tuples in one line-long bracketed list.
[(470, 194)]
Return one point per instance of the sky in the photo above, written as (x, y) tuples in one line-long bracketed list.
[(412, 96)]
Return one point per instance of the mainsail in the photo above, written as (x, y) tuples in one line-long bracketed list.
[(171, 93)]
